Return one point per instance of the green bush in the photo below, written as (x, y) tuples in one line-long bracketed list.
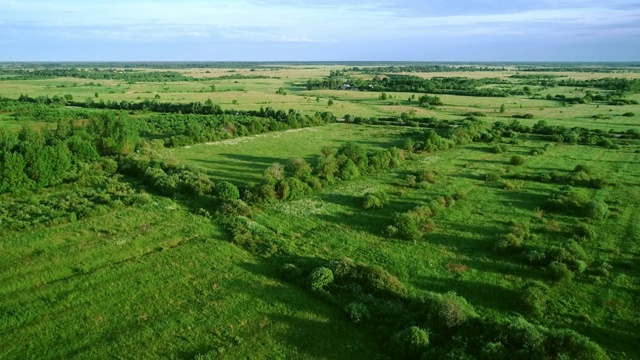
[(291, 272), (597, 210), (568, 344), (492, 177), (534, 297), (426, 175), (320, 277), (629, 114), (517, 160), (409, 343), (375, 200), (509, 242), (357, 312), (226, 191), (559, 272), (453, 310), (582, 168), (584, 231), (499, 148)]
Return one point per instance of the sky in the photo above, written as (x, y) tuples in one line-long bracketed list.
[(320, 30)]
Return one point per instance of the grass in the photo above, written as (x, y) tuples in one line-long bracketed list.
[(155, 282), (459, 255), (163, 281)]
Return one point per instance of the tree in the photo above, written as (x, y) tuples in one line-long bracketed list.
[(503, 108), (330, 102)]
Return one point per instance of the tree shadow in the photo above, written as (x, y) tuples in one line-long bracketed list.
[(488, 296)]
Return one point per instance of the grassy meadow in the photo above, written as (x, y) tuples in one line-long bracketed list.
[(191, 274)]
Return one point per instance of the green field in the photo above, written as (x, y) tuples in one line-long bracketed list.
[(125, 235)]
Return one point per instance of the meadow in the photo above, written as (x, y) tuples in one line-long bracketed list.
[(392, 229)]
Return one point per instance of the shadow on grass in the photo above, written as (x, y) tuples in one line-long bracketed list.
[(479, 294)]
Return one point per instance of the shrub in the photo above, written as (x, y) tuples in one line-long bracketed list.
[(509, 242), (407, 226), (298, 168), (492, 177), (409, 343), (534, 297), (582, 168), (584, 231), (499, 148), (348, 171), (568, 344), (453, 310), (426, 175), (291, 272), (597, 210), (357, 312), (375, 200), (320, 278), (226, 191), (629, 114), (517, 160), (559, 272)]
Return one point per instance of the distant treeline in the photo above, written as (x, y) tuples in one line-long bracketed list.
[(409, 83), (127, 75)]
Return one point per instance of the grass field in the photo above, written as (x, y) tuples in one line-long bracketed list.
[(169, 278), (157, 282), (332, 224)]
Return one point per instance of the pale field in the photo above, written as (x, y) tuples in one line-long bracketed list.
[(251, 94)]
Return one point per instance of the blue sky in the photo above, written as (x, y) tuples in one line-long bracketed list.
[(322, 30)]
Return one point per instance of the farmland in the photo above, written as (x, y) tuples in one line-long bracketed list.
[(270, 211)]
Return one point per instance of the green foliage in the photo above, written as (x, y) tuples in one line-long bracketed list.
[(492, 177), (409, 343), (357, 312), (320, 278), (584, 231), (226, 191), (559, 272), (375, 200), (445, 312), (517, 160), (534, 297), (499, 148), (298, 168), (597, 210)]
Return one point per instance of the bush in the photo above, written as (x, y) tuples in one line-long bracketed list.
[(407, 226), (492, 177), (534, 297), (454, 310), (291, 272), (517, 160), (559, 272), (426, 175), (597, 210), (499, 148), (509, 242), (320, 277), (629, 114), (409, 343), (582, 168), (357, 312), (568, 344), (375, 200), (584, 231), (226, 191)]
